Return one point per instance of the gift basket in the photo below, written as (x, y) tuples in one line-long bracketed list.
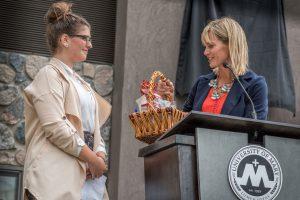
[(157, 116)]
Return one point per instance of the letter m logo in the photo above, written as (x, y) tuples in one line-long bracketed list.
[(255, 178)]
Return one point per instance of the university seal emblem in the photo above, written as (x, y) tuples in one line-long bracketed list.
[(255, 174)]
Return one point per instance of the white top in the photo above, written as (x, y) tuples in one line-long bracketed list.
[(86, 98), (87, 102)]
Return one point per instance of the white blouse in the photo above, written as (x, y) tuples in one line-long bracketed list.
[(87, 102), (86, 98)]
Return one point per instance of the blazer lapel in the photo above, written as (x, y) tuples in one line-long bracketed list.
[(235, 94), (104, 109), (232, 98), (72, 105), (203, 92)]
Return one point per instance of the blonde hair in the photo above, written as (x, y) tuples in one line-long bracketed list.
[(231, 33)]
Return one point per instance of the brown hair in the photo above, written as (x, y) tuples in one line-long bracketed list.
[(59, 20)]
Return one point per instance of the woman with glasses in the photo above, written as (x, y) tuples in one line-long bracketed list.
[(63, 115)]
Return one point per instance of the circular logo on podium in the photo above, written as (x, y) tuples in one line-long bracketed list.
[(254, 173)]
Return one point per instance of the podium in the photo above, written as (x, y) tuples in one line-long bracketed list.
[(192, 160)]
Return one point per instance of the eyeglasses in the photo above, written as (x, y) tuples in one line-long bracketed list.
[(83, 37)]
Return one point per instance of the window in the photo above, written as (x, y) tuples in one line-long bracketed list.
[(23, 28), (10, 182)]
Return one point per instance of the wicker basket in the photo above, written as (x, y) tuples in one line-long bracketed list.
[(151, 124)]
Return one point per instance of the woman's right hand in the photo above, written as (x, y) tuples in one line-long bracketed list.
[(96, 164), (165, 89), (97, 167)]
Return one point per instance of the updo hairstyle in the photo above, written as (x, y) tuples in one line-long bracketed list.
[(61, 20)]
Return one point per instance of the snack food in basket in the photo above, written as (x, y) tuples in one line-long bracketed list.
[(159, 115)]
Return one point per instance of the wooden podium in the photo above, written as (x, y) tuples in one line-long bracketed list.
[(191, 160)]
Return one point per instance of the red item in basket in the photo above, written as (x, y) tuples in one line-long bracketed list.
[(144, 87)]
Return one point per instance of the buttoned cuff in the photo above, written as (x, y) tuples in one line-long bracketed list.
[(101, 149), (80, 144)]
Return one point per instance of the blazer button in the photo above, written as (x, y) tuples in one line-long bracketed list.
[(64, 117)]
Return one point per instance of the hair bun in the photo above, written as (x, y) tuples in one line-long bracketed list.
[(58, 11)]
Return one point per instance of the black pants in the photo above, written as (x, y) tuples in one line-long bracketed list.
[(29, 196), (89, 139)]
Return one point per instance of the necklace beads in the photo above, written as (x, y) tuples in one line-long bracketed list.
[(218, 91)]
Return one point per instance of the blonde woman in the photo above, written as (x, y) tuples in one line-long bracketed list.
[(63, 115), (219, 92)]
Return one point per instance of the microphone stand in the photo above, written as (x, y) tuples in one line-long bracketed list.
[(254, 114)]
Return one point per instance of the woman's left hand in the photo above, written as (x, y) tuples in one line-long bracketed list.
[(102, 155), (88, 171)]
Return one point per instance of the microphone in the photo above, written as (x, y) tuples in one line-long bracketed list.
[(254, 114)]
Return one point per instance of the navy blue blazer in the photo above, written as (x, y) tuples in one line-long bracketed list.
[(236, 103)]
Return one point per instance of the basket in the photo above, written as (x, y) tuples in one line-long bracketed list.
[(151, 124)]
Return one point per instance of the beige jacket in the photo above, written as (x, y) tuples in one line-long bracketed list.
[(53, 125)]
